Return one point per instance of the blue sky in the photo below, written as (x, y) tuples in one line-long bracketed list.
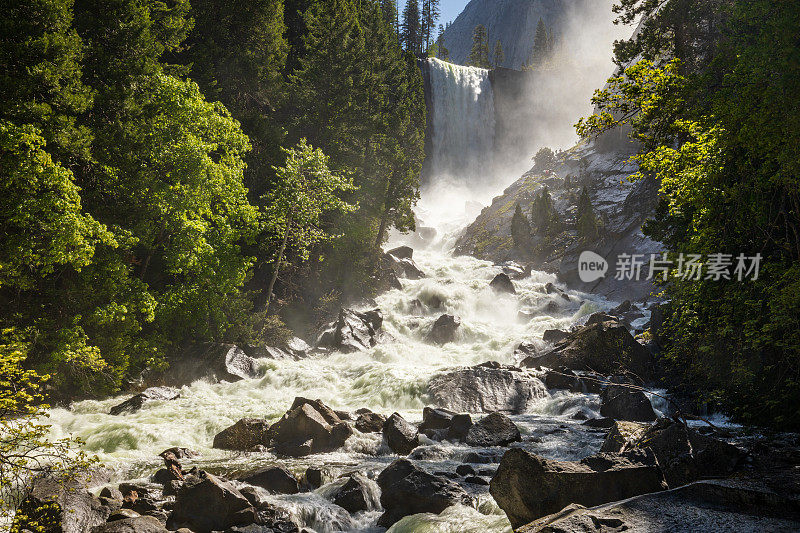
[(450, 9)]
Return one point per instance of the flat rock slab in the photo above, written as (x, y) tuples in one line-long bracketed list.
[(702, 506)]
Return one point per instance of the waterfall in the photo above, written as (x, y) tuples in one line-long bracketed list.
[(463, 123)]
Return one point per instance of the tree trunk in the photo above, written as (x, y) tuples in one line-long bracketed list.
[(278, 261)]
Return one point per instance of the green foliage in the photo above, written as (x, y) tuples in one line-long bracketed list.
[(411, 31), (586, 220), (544, 159), (719, 126), (499, 55), (545, 219), (520, 229), (479, 55)]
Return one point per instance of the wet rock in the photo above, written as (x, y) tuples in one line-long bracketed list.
[(152, 394), (605, 347), (112, 493), (563, 379), (179, 453), (444, 329), (495, 429), (370, 422), (487, 388), (554, 335), (502, 283), (528, 486), (211, 362), (464, 470), (275, 479), (353, 331), (357, 494), (459, 427), (314, 477), (478, 458), (623, 403), (401, 437), (622, 434), (407, 490), (402, 252), (122, 514), (476, 480), (77, 509), (416, 307), (436, 418), (525, 349), (243, 435), (139, 524), (207, 503), (308, 427)]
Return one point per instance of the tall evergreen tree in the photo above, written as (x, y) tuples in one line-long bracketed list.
[(499, 55), (430, 15), (541, 45), (411, 27), (586, 219), (479, 55)]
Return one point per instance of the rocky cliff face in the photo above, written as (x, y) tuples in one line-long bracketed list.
[(621, 207), (513, 22)]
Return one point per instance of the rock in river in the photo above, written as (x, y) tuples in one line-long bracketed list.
[(401, 437), (207, 503), (495, 429), (502, 283), (308, 427), (623, 403), (353, 331), (444, 329), (152, 394), (245, 434)]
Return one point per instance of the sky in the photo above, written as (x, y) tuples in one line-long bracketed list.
[(451, 9)]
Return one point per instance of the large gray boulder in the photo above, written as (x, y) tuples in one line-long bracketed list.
[(207, 503), (624, 403), (528, 486), (495, 429), (487, 388), (153, 394), (369, 422), (210, 362), (407, 489), (245, 434), (444, 329), (308, 427), (403, 267), (275, 479), (139, 524), (503, 284), (604, 347), (401, 437), (359, 493), (353, 331)]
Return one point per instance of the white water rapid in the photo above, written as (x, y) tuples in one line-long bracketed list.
[(390, 377)]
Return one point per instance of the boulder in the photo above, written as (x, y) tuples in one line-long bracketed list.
[(554, 335), (139, 524), (464, 470), (528, 486), (357, 494), (179, 453), (314, 477), (370, 422), (402, 252), (487, 388), (683, 454), (207, 503), (353, 331), (604, 347), (275, 479), (407, 489), (502, 283), (308, 427), (153, 394), (495, 429), (459, 427), (602, 423), (436, 418), (245, 434), (75, 507), (624, 403), (444, 329), (400, 436), (563, 379), (211, 362)]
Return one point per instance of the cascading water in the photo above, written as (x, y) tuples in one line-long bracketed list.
[(463, 122)]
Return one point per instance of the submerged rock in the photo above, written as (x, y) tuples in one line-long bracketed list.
[(623, 403), (407, 489), (308, 427), (152, 394), (528, 486), (207, 503), (245, 434), (444, 329), (210, 362), (502, 283), (487, 388), (401, 437), (605, 347), (495, 429), (353, 331)]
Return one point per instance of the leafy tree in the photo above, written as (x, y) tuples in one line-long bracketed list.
[(586, 219), (411, 34), (305, 190), (544, 159), (499, 55), (479, 55)]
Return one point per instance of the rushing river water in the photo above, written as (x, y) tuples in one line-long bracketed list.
[(392, 376)]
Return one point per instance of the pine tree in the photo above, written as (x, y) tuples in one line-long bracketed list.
[(520, 229), (541, 45), (499, 55), (410, 29), (479, 56), (430, 14), (586, 220), (389, 10), (543, 214)]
